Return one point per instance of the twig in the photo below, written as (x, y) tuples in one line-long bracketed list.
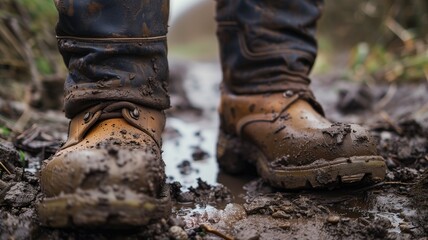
[(398, 183), (398, 30), (216, 232), (4, 50), (5, 168), (8, 37), (13, 62)]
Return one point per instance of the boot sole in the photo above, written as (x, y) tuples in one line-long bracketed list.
[(233, 153), (122, 208)]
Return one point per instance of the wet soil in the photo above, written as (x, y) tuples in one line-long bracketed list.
[(209, 204)]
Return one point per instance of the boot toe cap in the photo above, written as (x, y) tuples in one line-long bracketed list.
[(141, 170)]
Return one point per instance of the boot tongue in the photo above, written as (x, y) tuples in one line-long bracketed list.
[(147, 120)]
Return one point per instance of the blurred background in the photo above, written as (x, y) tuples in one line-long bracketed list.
[(364, 41)]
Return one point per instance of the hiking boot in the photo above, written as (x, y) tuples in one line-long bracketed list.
[(110, 173), (292, 145), (268, 115)]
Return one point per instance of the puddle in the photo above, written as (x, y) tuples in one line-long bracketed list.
[(190, 136)]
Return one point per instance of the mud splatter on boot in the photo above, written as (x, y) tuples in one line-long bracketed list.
[(293, 145), (109, 173)]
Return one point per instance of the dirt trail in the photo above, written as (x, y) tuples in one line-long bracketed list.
[(216, 205)]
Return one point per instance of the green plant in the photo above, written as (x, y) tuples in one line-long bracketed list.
[(401, 53), (4, 131), (28, 52), (22, 158)]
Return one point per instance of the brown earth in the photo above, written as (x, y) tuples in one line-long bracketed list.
[(219, 206)]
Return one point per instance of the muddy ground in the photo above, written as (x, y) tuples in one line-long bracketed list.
[(213, 205)]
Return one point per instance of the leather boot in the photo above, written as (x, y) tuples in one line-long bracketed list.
[(110, 172), (268, 115)]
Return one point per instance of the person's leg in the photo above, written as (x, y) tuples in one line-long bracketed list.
[(110, 171), (268, 114), (114, 50), (267, 46)]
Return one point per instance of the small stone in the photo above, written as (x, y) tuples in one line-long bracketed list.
[(20, 195), (390, 163), (285, 226), (258, 203), (186, 197), (287, 209), (249, 234), (280, 214), (8, 154), (333, 219), (199, 154), (405, 228), (177, 233), (185, 167), (177, 222), (390, 176), (385, 135)]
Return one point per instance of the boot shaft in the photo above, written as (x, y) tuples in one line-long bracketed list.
[(267, 46)]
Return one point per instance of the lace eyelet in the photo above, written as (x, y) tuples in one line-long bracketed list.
[(135, 114), (288, 93), (87, 117)]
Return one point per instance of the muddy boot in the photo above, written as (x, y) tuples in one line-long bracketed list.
[(110, 173), (269, 116)]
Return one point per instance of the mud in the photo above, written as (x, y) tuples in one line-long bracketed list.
[(204, 194), (209, 204)]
